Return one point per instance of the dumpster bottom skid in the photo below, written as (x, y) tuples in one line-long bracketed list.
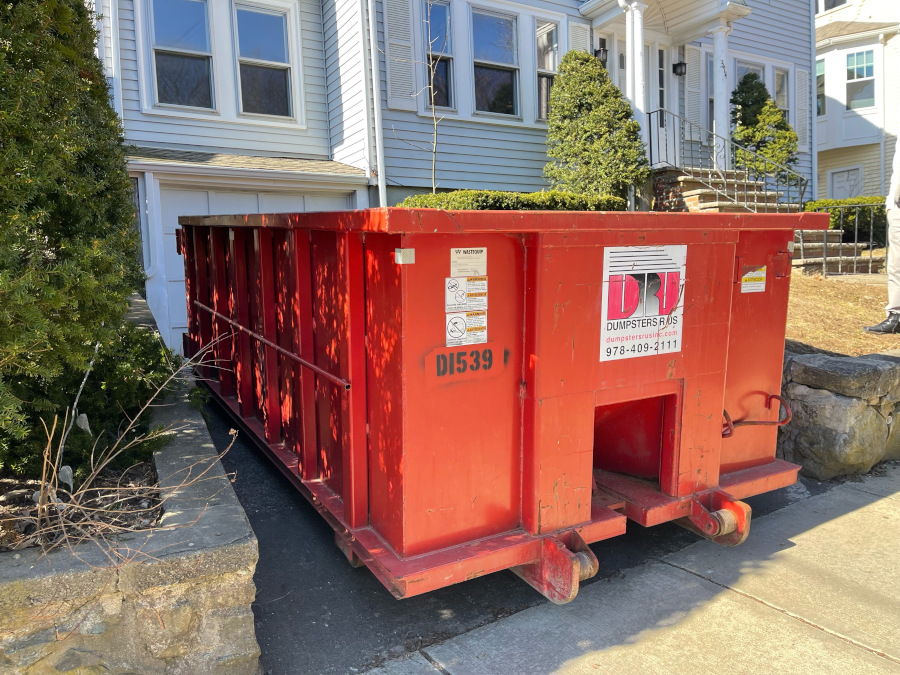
[(462, 393)]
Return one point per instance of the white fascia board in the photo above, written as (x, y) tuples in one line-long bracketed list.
[(867, 36), (239, 177), (600, 12)]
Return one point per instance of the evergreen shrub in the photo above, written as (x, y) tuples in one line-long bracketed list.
[(68, 246), (593, 139), (489, 200), (873, 213)]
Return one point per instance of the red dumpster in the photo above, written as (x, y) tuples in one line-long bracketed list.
[(464, 392)]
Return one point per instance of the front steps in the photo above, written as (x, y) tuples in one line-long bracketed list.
[(709, 191)]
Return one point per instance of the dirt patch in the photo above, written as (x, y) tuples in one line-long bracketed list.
[(118, 501), (828, 314)]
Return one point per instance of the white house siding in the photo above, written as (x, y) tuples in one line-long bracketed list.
[(210, 133), (470, 154), (348, 95), (779, 31)]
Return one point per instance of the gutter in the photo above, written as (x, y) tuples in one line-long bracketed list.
[(372, 68)]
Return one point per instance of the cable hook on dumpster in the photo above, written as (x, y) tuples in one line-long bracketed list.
[(730, 426)]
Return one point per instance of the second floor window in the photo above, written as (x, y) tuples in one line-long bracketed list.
[(496, 63), (820, 87), (263, 61), (860, 80), (440, 54), (547, 63), (182, 59)]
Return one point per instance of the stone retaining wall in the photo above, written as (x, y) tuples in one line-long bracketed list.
[(845, 410), (169, 602)]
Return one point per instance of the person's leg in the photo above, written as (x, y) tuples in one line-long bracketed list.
[(892, 323)]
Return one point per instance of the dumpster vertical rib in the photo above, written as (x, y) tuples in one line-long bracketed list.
[(240, 314), (287, 367), (269, 368), (354, 359), (190, 283), (222, 333), (303, 345), (204, 320)]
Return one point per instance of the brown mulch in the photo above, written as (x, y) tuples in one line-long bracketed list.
[(119, 501), (827, 314)]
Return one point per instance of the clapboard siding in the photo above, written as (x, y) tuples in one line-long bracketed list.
[(470, 154), (214, 134), (347, 94)]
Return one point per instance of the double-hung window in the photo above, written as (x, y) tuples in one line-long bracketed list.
[(782, 92), (264, 64), (496, 70), (438, 46), (820, 87), (547, 43), (860, 80), (182, 58)]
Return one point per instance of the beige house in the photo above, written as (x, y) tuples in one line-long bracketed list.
[(857, 95)]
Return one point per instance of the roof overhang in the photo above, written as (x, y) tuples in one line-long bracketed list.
[(862, 36), (695, 20)]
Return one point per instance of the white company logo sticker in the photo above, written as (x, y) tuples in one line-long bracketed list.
[(643, 289)]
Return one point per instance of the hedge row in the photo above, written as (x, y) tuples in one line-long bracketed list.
[(846, 218), (489, 200)]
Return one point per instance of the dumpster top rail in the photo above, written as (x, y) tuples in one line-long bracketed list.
[(421, 221)]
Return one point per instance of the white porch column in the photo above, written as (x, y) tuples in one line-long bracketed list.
[(721, 96), (629, 62), (637, 52)]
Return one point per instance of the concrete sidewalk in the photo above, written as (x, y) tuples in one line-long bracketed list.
[(815, 589)]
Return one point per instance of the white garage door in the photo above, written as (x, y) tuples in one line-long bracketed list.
[(165, 285)]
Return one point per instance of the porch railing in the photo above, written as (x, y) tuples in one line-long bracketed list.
[(856, 243), (737, 175)]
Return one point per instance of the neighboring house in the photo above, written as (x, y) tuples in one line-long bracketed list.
[(857, 95), (268, 105)]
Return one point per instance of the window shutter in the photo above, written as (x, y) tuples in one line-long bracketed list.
[(580, 37), (802, 103), (400, 55), (693, 94)]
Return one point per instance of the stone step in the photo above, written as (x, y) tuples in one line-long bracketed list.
[(747, 207), (835, 249), (705, 195), (817, 236), (864, 265)]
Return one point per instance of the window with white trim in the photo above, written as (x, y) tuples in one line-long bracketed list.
[(495, 65), (782, 91), (264, 64), (547, 43), (820, 87), (182, 55), (846, 183), (860, 80), (661, 84), (439, 49)]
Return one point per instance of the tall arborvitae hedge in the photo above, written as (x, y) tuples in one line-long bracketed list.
[(768, 143), (592, 136), (68, 246)]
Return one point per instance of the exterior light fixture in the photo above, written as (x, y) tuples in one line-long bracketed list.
[(679, 68), (603, 54)]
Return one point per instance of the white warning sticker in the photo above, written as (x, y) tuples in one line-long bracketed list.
[(753, 279), (468, 262), (463, 294), (642, 301), (466, 328)]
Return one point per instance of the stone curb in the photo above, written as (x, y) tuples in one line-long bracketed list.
[(172, 600)]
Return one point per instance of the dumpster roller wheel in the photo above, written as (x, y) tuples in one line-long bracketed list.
[(566, 560), (726, 523)]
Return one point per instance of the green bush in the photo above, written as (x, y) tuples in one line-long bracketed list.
[(68, 246), (768, 143), (130, 365), (488, 200), (593, 139), (848, 223)]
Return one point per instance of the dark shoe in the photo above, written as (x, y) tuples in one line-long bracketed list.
[(889, 325)]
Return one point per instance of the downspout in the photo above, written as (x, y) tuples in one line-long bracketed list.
[(814, 115), (883, 42), (376, 96)]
